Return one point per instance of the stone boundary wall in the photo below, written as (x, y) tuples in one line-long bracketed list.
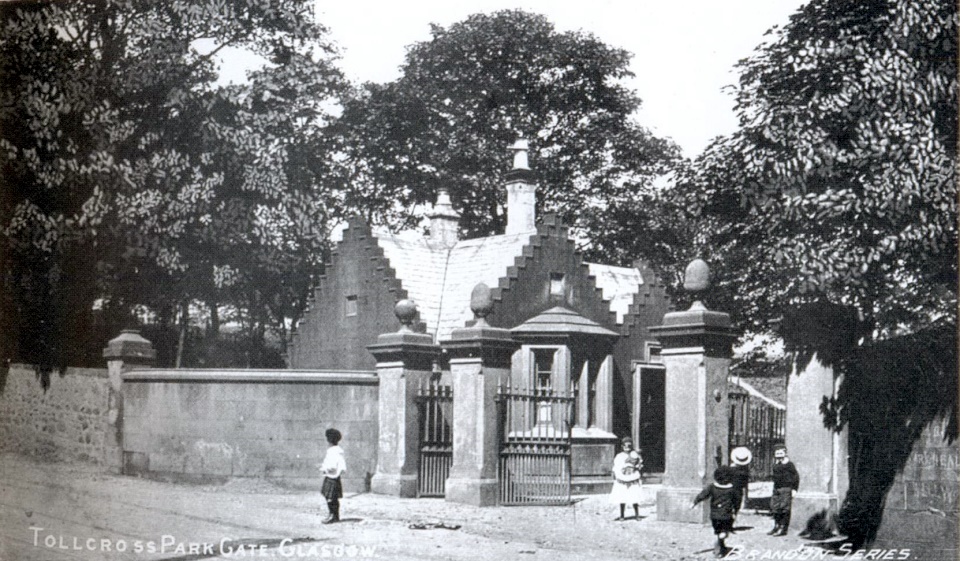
[(66, 422), (922, 507), (209, 425)]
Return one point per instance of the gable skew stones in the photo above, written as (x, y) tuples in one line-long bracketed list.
[(439, 277)]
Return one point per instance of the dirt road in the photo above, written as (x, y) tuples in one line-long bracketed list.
[(52, 512)]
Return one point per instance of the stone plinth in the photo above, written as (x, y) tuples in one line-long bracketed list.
[(696, 353), (591, 455), (479, 362), (404, 361)]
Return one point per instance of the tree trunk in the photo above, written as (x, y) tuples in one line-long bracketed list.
[(163, 343), (213, 334), (257, 329), (282, 326), (260, 343), (184, 324)]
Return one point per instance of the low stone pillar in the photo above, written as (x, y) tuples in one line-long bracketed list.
[(479, 361), (404, 360), (697, 346), (816, 336), (126, 351)]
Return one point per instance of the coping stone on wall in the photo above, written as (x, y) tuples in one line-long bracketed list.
[(253, 376)]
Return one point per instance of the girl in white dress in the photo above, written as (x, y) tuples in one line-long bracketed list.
[(626, 478)]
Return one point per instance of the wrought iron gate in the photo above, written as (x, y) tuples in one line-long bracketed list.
[(435, 402), (534, 426), (760, 427)]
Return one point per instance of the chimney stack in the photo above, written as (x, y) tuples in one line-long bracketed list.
[(521, 192), (444, 220)]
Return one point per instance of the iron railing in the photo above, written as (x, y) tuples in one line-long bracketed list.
[(535, 432), (760, 427), (435, 404)]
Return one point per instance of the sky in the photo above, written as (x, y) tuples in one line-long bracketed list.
[(684, 50)]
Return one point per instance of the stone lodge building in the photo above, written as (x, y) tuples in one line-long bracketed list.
[(583, 326)]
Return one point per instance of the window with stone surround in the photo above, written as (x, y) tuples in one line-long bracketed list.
[(557, 286), (544, 377), (543, 359)]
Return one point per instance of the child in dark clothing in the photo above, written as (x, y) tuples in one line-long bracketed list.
[(786, 481), (722, 497)]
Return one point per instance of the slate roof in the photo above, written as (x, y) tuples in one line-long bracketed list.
[(618, 284), (747, 388), (440, 278), (560, 320)]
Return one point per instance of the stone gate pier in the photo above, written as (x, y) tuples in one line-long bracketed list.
[(816, 336), (697, 346)]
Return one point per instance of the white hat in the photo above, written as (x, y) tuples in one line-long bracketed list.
[(741, 456)]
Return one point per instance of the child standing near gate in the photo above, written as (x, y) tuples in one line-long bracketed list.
[(626, 478), (333, 466)]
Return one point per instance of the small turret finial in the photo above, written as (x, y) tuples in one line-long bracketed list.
[(444, 220), (443, 200), (520, 149)]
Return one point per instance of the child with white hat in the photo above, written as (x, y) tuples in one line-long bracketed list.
[(740, 458)]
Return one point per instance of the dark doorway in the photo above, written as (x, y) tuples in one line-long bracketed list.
[(651, 410)]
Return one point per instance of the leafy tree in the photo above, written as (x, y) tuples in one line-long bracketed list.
[(840, 184), (838, 193), (265, 231), (464, 97), (129, 177)]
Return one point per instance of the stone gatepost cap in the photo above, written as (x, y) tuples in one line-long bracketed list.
[(415, 350), (494, 344), (406, 312), (696, 277), (481, 302), (130, 346), (696, 281)]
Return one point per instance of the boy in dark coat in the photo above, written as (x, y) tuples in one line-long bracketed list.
[(786, 481), (722, 497)]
